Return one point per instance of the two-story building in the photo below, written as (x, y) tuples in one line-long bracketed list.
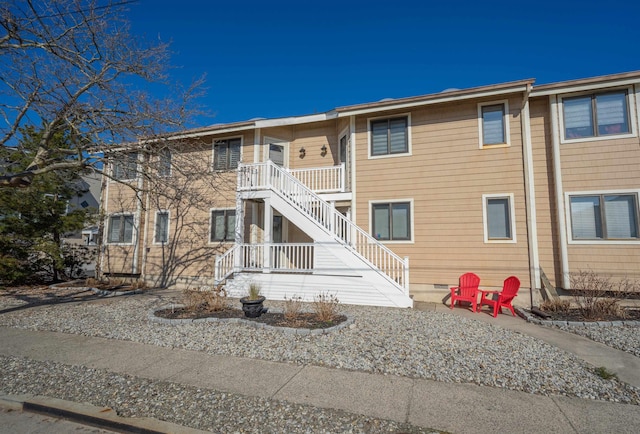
[(388, 202)]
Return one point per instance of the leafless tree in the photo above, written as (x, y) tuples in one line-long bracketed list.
[(74, 65)]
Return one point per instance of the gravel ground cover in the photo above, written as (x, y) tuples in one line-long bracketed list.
[(622, 337), (187, 406), (405, 342)]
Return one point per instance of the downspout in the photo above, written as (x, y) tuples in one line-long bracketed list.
[(557, 178), (136, 248), (530, 196), (103, 213)]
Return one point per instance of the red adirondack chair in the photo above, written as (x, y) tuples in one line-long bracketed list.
[(509, 291), (466, 291)]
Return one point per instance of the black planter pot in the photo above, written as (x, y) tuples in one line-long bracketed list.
[(252, 308)]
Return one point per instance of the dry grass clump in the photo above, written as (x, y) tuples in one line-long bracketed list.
[(205, 298), (555, 305), (325, 306)]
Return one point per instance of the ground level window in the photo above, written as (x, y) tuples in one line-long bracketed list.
[(391, 221), (162, 228), (498, 218), (223, 224), (604, 217), (120, 229)]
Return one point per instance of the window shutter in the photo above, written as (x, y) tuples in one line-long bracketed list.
[(620, 216), (379, 138), (499, 221), (586, 220), (493, 125), (398, 136)]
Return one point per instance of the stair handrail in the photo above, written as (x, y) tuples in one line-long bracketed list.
[(225, 264), (342, 229)]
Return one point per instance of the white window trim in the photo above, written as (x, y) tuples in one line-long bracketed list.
[(213, 151), (505, 119), (215, 243), (512, 215), (112, 171), (567, 205), (134, 231), (268, 140), (631, 103), (155, 226), (409, 146), (411, 212)]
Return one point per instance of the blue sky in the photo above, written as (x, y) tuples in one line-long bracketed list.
[(284, 58)]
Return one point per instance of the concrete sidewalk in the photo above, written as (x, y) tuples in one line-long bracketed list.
[(457, 408)]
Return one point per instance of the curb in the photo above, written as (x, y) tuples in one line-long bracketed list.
[(87, 414), (529, 317), (287, 330)]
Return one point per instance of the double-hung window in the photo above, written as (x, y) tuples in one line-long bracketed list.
[(226, 154), (125, 166), (120, 229), (493, 124), (161, 234), (499, 222), (389, 136), (604, 217), (391, 221), (596, 115), (223, 224)]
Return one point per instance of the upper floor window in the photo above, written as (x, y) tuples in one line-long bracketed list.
[(391, 221), (493, 124), (389, 136), (125, 166), (120, 229), (596, 115), (223, 225), (226, 154), (604, 217), (164, 163)]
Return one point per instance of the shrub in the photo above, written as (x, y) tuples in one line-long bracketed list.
[(555, 305), (596, 296), (292, 308), (205, 298), (325, 306)]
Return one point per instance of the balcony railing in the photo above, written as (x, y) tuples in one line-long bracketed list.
[(322, 179)]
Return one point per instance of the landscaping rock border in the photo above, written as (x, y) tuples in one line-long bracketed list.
[(287, 330), (529, 317)]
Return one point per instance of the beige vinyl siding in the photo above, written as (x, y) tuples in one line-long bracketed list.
[(446, 176), (602, 166), (546, 211)]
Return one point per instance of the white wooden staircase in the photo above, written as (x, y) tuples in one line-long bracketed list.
[(343, 259)]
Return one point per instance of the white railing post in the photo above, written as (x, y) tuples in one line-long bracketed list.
[(343, 176), (405, 283)]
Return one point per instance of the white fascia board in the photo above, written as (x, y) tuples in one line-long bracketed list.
[(584, 87), (488, 93), (294, 120), (210, 132)]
